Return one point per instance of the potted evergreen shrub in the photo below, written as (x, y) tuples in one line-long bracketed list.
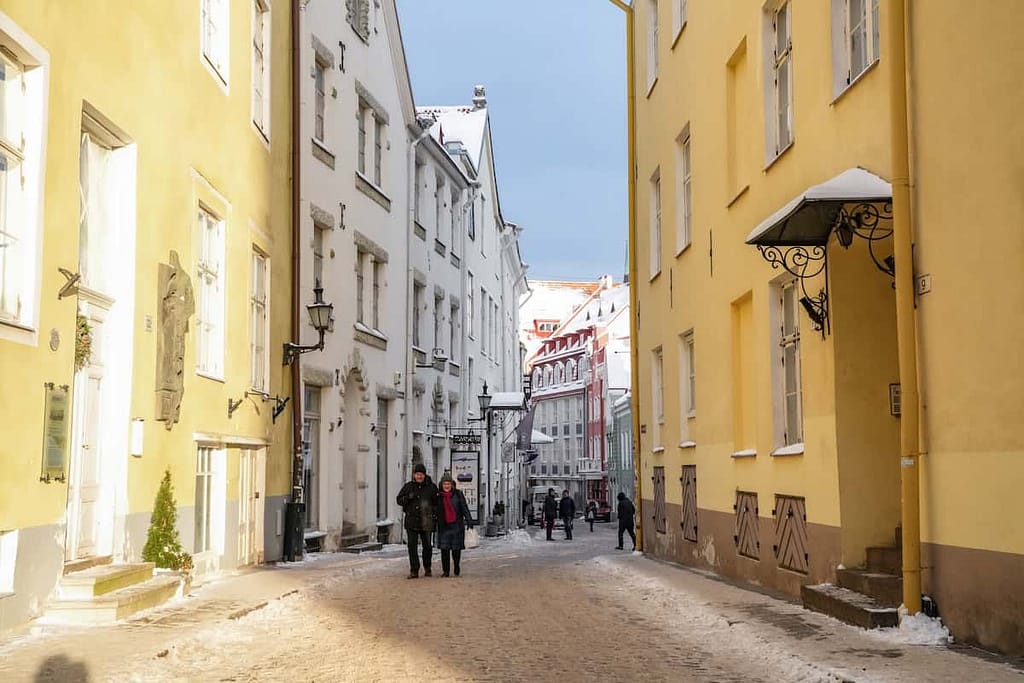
[(163, 544)]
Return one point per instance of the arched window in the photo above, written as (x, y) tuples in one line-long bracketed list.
[(537, 378), (570, 371), (559, 372), (547, 375)]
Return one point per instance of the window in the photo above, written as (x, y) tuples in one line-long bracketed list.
[(483, 321), (260, 63), (204, 499), (439, 208), (358, 17), (657, 393), (418, 291), (417, 192), (454, 210), (655, 244), (364, 111), (684, 223), (97, 211), (378, 141), (16, 259), (472, 219), (453, 331), (652, 42), (311, 454), (469, 306), (438, 321), (781, 109), (318, 254), (789, 345), (215, 36), (678, 15), (260, 331), (319, 74), (210, 308), (378, 275), (855, 40), (687, 386), (360, 260)]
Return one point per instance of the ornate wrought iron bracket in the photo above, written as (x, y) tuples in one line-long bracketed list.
[(864, 220), (803, 263)]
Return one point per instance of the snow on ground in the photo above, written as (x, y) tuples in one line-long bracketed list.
[(915, 630), (518, 537)]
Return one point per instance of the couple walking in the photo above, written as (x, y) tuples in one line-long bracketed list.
[(428, 509)]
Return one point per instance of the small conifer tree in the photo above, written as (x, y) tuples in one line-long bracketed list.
[(163, 544)]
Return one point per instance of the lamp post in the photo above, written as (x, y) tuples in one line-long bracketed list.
[(485, 415), (320, 315)]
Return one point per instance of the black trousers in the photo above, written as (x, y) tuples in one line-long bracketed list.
[(628, 528), (414, 560), (549, 525), (448, 557), (567, 525)]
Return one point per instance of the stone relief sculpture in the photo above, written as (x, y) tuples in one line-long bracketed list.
[(176, 306)]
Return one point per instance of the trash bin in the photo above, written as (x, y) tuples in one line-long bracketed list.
[(384, 532)]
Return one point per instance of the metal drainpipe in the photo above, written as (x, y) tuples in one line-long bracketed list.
[(634, 310), (906, 335), (293, 513)]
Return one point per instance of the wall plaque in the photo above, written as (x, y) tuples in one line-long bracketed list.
[(56, 415)]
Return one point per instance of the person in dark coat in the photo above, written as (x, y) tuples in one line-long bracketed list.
[(417, 499), (550, 512), (453, 517), (591, 513), (626, 512), (567, 511)]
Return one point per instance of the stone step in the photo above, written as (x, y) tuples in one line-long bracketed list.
[(848, 606), (115, 605), (352, 539), (86, 563), (362, 547), (885, 559), (887, 589), (102, 579)]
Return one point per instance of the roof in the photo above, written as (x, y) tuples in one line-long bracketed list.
[(465, 124), (808, 218), (507, 400)]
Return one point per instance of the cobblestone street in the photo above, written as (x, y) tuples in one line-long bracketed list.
[(522, 611)]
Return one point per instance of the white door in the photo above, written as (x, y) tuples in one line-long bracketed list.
[(250, 504), (84, 485)]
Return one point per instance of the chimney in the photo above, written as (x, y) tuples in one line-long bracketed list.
[(479, 97)]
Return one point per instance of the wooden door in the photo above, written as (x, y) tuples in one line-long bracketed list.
[(250, 508)]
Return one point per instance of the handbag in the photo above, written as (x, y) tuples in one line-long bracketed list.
[(472, 538)]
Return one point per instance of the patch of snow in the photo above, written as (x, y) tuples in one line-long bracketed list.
[(840, 566), (518, 537), (637, 553), (918, 629), (385, 522)]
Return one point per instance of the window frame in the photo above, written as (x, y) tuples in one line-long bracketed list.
[(679, 18), (360, 285), (657, 395), (781, 62), (210, 305), (655, 234), (376, 269), (259, 307), (261, 57), (652, 43), (319, 101), (202, 540), (684, 220), (215, 37), (789, 338)]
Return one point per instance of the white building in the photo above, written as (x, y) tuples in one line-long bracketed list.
[(355, 135), (492, 280)]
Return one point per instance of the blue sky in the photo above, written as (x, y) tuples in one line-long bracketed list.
[(555, 77)]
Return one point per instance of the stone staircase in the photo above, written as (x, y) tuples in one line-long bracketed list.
[(868, 597), (102, 593), (358, 543)]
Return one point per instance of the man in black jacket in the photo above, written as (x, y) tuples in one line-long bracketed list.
[(550, 512), (567, 511), (626, 512), (418, 499)]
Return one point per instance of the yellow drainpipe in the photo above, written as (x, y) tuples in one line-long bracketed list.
[(906, 335), (633, 310)]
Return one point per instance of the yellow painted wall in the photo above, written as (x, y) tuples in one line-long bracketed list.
[(140, 65), (699, 76), (966, 161)]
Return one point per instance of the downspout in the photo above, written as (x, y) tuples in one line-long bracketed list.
[(292, 544), (634, 310), (906, 335)]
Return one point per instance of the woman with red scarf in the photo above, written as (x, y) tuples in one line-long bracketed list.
[(452, 519)]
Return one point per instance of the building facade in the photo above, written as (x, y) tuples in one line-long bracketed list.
[(769, 332), (143, 287)]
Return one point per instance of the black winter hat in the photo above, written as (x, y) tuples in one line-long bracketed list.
[(419, 467)]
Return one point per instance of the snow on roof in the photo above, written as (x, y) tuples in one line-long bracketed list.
[(507, 399), (465, 124)]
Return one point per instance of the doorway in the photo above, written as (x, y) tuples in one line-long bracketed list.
[(251, 470)]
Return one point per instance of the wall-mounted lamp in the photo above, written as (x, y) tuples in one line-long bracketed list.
[(71, 286), (320, 316), (233, 405)]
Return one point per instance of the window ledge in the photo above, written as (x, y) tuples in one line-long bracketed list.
[(749, 453), (771, 162), (680, 250), (19, 333), (4, 594), (870, 67), (420, 231), (658, 449), (742, 191), (688, 444), (654, 276), (650, 87), (679, 34), (370, 337), (792, 449), (372, 191), (321, 153), (210, 375)]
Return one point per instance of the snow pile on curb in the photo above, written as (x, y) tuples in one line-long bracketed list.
[(916, 630), (518, 537)]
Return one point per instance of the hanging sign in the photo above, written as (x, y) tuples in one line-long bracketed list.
[(467, 441), (466, 473)]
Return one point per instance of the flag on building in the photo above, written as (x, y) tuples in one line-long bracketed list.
[(524, 432)]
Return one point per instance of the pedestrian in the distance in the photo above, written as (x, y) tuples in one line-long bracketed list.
[(567, 511), (417, 499), (453, 517), (626, 512), (591, 513), (550, 512)]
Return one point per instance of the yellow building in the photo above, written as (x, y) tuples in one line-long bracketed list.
[(769, 399), (144, 204)]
